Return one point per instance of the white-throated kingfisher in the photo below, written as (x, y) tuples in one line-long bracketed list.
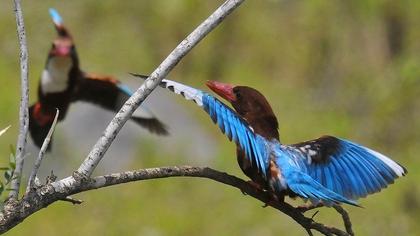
[(327, 170), (63, 82)]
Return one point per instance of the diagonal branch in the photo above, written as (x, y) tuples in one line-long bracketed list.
[(23, 111), (88, 166)]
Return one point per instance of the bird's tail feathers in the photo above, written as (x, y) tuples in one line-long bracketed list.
[(306, 187), (152, 124)]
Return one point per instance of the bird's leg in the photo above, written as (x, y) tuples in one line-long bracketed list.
[(254, 185), (274, 198)]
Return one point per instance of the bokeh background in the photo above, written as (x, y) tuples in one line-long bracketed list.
[(345, 68)]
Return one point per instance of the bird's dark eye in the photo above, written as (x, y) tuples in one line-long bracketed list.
[(237, 94)]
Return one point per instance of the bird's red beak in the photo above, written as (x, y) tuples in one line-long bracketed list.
[(222, 89)]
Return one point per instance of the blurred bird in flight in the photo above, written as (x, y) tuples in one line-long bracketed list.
[(63, 82)]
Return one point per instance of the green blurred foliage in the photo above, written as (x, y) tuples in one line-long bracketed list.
[(346, 68)]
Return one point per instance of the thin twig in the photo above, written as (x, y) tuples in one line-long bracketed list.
[(72, 200), (346, 219), (41, 154), (23, 111), (4, 130), (101, 146), (309, 232)]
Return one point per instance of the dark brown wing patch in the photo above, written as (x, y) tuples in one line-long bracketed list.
[(319, 150)]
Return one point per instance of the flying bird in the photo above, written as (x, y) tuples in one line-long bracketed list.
[(64, 82), (327, 170)]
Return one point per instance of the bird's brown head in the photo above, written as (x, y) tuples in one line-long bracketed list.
[(63, 48), (251, 105)]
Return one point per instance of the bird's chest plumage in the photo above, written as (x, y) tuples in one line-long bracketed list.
[(249, 170), (55, 77), (272, 177), (53, 101), (55, 86), (276, 178)]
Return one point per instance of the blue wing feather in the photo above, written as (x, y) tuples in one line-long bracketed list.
[(232, 125), (352, 171), (373, 178), (346, 188), (337, 184), (307, 187), (125, 89), (359, 187)]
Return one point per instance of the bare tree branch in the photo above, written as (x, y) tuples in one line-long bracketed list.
[(48, 194), (151, 83), (41, 154), (23, 111), (245, 187)]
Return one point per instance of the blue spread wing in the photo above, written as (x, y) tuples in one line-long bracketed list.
[(233, 126), (238, 130), (344, 167)]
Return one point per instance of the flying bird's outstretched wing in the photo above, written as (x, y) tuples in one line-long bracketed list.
[(111, 94)]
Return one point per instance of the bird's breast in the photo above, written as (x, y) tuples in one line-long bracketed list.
[(276, 178), (55, 76)]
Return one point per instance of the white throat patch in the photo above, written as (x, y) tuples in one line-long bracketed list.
[(55, 77)]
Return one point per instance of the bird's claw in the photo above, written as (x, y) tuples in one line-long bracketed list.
[(273, 200), (255, 185)]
